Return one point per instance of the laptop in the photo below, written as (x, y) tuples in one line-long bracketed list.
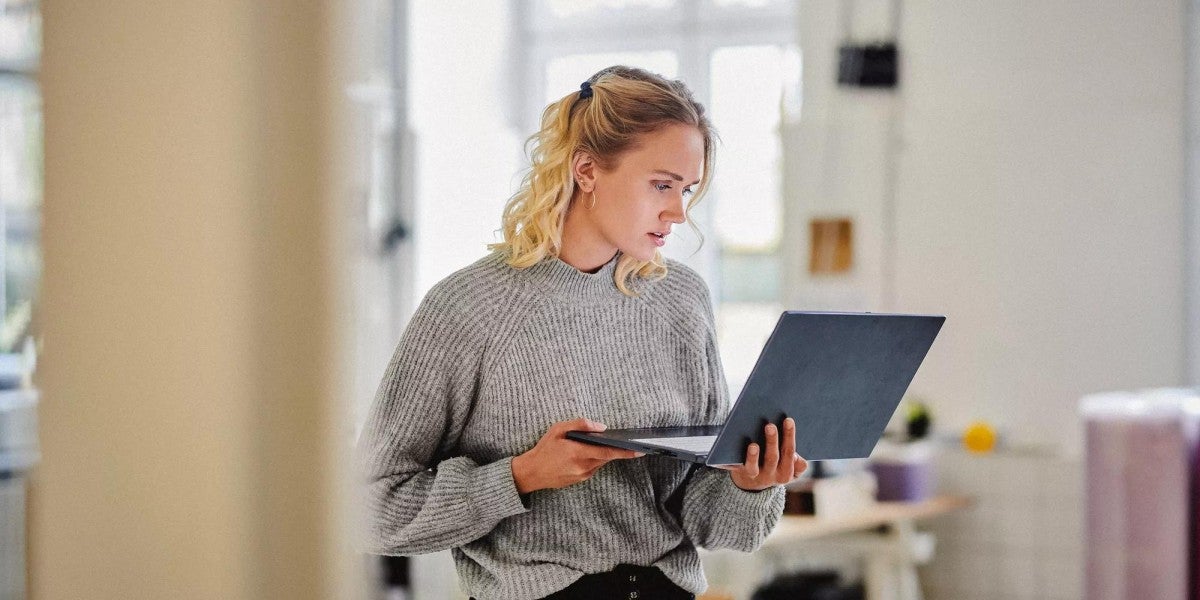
[(839, 375)]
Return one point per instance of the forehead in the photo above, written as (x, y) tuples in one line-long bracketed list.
[(677, 148)]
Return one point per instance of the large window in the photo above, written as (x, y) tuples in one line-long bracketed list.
[(20, 170), (20, 273), (741, 59)]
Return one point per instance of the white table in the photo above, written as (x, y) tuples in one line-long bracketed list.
[(890, 554)]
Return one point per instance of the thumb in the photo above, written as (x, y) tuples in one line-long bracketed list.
[(594, 425), (583, 424)]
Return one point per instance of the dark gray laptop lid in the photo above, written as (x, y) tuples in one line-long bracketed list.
[(839, 375)]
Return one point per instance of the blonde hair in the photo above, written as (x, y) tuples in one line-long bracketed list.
[(625, 103)]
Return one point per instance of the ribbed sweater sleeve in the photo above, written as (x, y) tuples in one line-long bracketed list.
[(715, 513), (425, 395)]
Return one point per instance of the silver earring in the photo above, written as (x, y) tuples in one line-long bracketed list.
[(593, 205)]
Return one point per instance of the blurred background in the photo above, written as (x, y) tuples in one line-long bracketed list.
[(217, 218)]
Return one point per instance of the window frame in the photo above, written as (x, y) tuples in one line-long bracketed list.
[(692, 29)]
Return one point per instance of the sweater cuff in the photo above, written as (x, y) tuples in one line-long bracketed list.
[(760, 503), (494, 494)]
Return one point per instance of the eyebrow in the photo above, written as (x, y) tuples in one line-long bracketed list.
[(674, 176)]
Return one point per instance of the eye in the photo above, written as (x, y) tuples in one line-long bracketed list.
[(662, 187), (688, 192)]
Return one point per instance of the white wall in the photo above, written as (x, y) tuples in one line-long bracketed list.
[(1026, 180), (1038, 161), (1039, 201)]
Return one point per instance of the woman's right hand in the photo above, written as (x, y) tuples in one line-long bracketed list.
[(557, 461)]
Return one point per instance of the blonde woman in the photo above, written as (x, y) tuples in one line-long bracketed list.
[(574, 322)]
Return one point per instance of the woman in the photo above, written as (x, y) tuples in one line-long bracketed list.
[(573, 322)]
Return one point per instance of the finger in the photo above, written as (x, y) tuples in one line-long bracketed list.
[(594, 466), (751, 465), (783, 472), (799, 466), (771, 458), (602, 452), (789, 437), (561, 428), (607, 453), (787, 450)]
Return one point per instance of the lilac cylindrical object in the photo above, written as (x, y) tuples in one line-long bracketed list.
[(1140, 450), (903, 482), (904, 472)]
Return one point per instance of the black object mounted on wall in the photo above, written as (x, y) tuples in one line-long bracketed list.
[(873, 65)]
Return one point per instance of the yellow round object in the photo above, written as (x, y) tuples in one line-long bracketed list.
[(979, 437)]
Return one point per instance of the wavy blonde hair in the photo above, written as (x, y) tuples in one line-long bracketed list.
[(626, 103)]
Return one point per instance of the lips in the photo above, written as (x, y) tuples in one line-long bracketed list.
[(659, 237)]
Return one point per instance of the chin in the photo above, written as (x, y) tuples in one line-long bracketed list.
[(642, 254)]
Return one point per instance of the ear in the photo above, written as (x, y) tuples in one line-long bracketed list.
[(583, 169)]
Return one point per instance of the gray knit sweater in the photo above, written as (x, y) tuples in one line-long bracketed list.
[(490, 360)]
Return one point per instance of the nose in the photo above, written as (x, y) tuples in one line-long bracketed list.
[(674, 214)]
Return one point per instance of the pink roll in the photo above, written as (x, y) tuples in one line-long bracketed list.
[(1141, 470)]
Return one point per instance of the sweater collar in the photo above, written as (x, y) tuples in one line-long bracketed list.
[(558, 279)]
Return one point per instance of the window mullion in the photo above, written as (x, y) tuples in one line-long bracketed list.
[(693, 37)]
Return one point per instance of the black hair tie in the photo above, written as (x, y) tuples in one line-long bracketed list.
[(585, 89)]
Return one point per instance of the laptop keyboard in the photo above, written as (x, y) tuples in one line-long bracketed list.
[(700, 444)]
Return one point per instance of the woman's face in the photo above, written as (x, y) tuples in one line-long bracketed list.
[(647, 191)]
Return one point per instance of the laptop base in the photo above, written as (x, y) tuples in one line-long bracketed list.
[(636, 439)]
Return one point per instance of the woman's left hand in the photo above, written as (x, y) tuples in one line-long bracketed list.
[(780, 464)]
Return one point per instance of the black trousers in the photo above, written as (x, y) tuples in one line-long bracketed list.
[(625, 582)]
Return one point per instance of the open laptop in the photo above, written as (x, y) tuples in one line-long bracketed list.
[(840, 376)]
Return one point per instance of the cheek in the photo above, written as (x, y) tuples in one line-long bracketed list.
[(629, 207), (630, 212)]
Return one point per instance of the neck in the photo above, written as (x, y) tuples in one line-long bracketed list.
[(582, 245)]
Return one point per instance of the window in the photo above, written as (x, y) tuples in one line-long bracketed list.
[(562, 73), (20, 268), (20, 170), (741, 59)]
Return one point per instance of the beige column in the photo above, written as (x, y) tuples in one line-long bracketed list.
[(190, 303)]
